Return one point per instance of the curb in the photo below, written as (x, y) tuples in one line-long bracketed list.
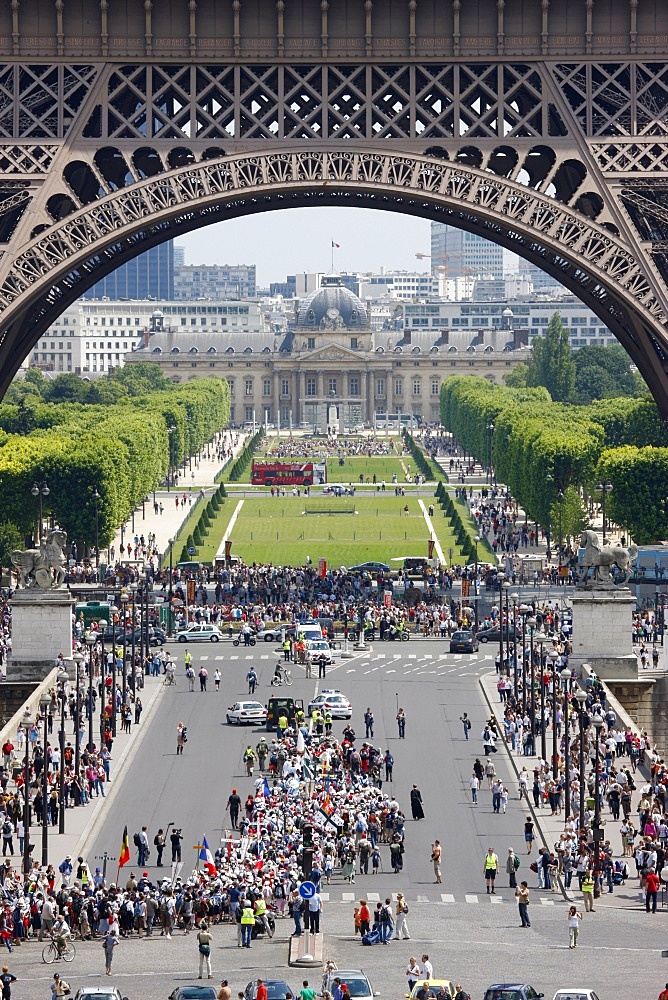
[(530, 806), (130, 751)]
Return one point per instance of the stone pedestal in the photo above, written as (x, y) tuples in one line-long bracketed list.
[(602, 633), (41, 629)]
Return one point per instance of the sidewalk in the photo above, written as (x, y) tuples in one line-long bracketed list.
[(551, 827), (167, 524)]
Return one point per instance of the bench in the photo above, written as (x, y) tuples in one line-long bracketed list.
[(337, 510)]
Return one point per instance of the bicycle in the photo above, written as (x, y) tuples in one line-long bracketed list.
[(51, 952), (169, 679), (284, 677)]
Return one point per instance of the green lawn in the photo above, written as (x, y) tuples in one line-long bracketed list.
[(278, 530)]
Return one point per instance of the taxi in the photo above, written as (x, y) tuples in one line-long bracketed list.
[(331, 701), (432, 988)]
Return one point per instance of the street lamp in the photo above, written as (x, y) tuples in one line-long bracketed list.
[(555, 752), (124, 606), (500, 578), (96, 498), (566, 678), (44, 703), (603, 487), (91, 642), (26, 725), (170, 542), (506, 589), (561, 519), (113, 612), (525, 609), (63, 678), (581, 698), (171, 430), (476, 539), (102, 623), (514, 598), (78, 660), (490, 432), (598, 724), (133, 591), (540, 639), (531, 625), (40, 490)]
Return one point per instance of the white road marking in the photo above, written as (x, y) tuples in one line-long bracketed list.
[(422, 899), (470, 898), (206, 658), (265, 656), (347, 897), (234, 657), (496, 899), (394, 672), (324, 897), (374, 897), (546, 902), (447, 897)]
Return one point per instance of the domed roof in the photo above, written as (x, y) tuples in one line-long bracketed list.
[(332, 307)]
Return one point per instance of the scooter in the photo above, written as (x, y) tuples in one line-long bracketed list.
[(237, 641)]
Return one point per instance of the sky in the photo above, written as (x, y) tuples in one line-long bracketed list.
[(300, 239)]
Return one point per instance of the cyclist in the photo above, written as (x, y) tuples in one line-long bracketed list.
[(61, 933), (278, 674), (170, 669)]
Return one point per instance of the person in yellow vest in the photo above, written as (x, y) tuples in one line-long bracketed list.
[(282, 724), (491, 868), (261, 911), (588, 891), (187, 659), (299, 718), (286, 649), (247, 923)]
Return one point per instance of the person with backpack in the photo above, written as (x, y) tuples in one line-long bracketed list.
[(400, 922), (203, 677), (512, 865), (388, 760), (466, 723), (385, 921), (7, 837)]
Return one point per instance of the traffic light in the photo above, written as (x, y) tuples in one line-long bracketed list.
[(307, 835)]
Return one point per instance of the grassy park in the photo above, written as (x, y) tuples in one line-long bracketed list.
[(285, 530)]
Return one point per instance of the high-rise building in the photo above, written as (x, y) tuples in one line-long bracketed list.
[(214, 281), (148, 276), (179, 255), (456, 253)]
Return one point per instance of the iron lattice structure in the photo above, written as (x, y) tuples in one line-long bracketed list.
[(544, 128)]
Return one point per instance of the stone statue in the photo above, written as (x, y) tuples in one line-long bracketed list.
[(42, 568), (601, 558), (332, 320)]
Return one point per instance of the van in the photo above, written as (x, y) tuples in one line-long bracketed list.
[(415, 565), (308, 630), (282, 706), (92, 611), (189, 567)]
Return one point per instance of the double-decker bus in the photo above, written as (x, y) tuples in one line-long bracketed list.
[(288, 473)]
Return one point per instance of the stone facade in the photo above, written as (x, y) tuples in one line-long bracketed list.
[(41, 629)]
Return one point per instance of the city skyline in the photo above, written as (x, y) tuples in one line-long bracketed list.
[(368, 241)]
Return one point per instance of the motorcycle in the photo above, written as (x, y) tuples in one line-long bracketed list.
[(237, 641)]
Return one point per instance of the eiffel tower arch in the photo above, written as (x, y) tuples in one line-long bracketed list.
[(542, 127)]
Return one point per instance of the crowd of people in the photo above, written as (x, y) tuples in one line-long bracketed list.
[(336, 447)]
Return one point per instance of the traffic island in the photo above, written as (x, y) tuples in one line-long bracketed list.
[(305, 951)]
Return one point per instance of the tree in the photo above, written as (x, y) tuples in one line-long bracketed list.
[(552, 365), (10, 539), (603, 373), (67, 387), (517, 378), (568, 514)]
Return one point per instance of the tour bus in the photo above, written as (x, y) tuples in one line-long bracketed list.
[(288, 473)]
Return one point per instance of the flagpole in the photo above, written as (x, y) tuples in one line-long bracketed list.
[(332, 242)]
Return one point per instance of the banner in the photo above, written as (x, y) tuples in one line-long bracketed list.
[(322, 568), (387, 598)]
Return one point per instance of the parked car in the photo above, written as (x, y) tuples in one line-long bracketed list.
[(357, 982), (575, 993), (370, 567), (193, 993), (511, 991), (463, 642), (434, 986), (244, 712), (277, 989), (98, 993), (200, 633)]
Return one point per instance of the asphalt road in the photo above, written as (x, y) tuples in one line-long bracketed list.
[(471, 938)]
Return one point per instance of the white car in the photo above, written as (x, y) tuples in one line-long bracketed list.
[(200, 633), (243, 712), (318, 651), (334, 702), (577, 993)]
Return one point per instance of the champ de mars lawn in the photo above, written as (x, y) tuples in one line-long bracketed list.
[(343, 530)]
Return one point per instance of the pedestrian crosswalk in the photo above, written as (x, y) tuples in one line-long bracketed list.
[(334, 895)]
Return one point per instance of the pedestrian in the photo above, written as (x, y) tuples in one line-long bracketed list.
[(466, 723), (652, 885), (512, 864), (251, 677), (427, 968), (528, 834), (224, 993), (6, 979), (204, 947), (307, 992), (385, 921), (522, 895), (416, 803), (588, 891), (436, 855), (139, 708), (216, 678), (388, 760), (368, 723), (400, 921), (574, 918), (491, 869), (247, 923), (664, 993), (234, 804), (314, 911), (261, 993), (474, 785), (181, 738), (109, 943), (412, 973), (203, 677), (159, 844), (59, 988), (401, 723)]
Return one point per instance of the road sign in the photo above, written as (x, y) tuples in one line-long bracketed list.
[(191, 550), (307, 890)]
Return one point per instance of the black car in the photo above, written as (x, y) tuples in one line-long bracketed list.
[(463, 642), (493, 634), (193, 993), (277, 989)]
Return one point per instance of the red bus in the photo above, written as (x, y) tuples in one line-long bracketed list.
[(288, 473)]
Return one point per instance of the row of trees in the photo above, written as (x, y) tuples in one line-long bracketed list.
[(542, 449), (121, 451)]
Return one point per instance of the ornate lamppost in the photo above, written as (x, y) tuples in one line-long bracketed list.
[(26, 726), (581, 698), (44, 703), (566, 678), (63, 678), (78, 660), (40, 490), (540, 639), (598, 724), (91, 642)]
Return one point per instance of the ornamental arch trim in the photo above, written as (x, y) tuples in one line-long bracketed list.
[(587, 256)]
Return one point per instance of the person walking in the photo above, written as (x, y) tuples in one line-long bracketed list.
[(314, 911), (466, 724), (59, 988), (368, 723), (412, 973), (181, 737), (436, 855), (522, 895), (6, 980), (528, 834), (652, 885), (234, 804), (109, 943), (247, 923), (251, 677), (491, 869), (474, 785), (512, 864), (400, 921), (203, 677), (216, 678), (204, 947), (388, 760), (574, 918), (416, 803), (401, 723)]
